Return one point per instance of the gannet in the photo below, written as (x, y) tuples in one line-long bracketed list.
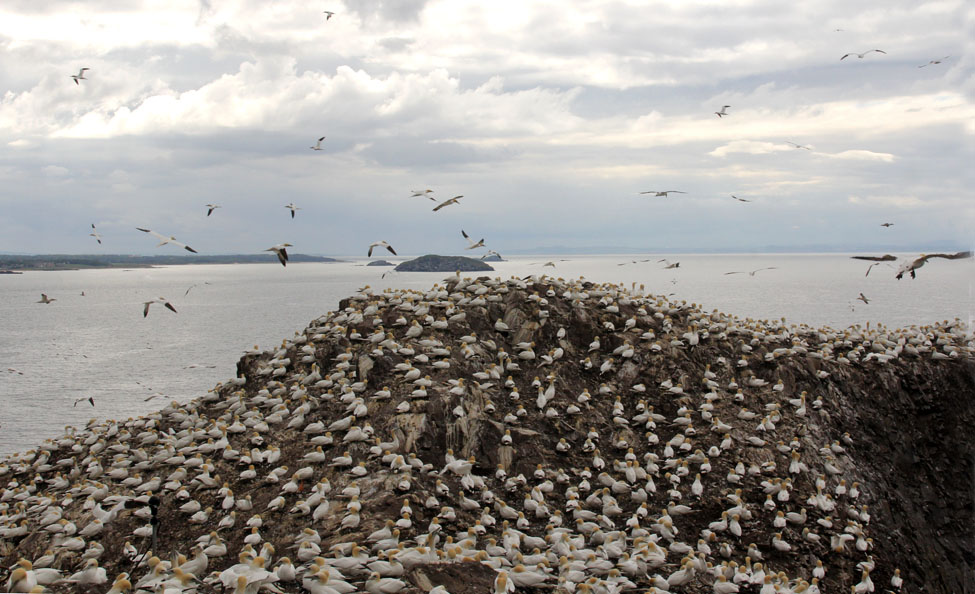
[(863, 54), (169, 306), (211, 208), (80, 76), (318, 145), (663, 193), (472, 244), (931, 62), (722, 112), (918, 262), (95, 234), (166, 240), (668, 264), (739, 199), (90, 400), (797, 145), (863, 299), (45, 299), (751, 272), (380, 243), (291, 205), (447, 202), (423, 193), (328, 14), (281, 251)]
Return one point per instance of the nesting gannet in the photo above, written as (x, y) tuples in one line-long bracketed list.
[(722, 112), (291, 205), (447, 202), (281, 251), (211, 208), (472, 244), (751, 272), (169, 306), (863, 54), (663, 193), (798, 146), (318, 145), (166, 240), (739, 199), (918, 262), (95, 234), (933, 62), (45, 299), (80, 76)]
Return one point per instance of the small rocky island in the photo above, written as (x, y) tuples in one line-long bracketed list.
[(433, 263), (525, 435), (380, 263)]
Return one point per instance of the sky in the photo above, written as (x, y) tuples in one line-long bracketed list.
[(548, 117)]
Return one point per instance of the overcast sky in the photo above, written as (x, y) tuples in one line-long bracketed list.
[(548, 117)]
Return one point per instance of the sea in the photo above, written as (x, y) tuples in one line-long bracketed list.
[(93, 341)]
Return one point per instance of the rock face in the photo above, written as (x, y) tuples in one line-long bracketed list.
[(558, 435), (432, 263)]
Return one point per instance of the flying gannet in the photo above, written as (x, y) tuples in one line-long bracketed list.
[(663, 193), (166, 240), (912, 265), (381, 243), (863, 54), (211, 208), (162, 300), (472, 244), (423, 193), (797, 145), (933, 62), (45, 299), (80, 76), (328, 14), (95, 234), (447, 202), (739, 199), (293, 208), (281, 251), (751, 272), (722, 113), (318, 145)]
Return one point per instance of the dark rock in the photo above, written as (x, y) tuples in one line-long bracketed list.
[(434, 263), (380, 263)]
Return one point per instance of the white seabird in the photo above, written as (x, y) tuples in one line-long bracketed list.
[(423, 193), (447, 202), (45, 299), (739, 199), (211, 208), (281, 251), (722, 113), (95, 234), (797, 145), (911, 266), (293, 208), (318, 145), (933, 62), (473, 244), (863, 54), (663, 193), (380, 243), (751, 272), (169, 306), (80, 76), (166, 240)]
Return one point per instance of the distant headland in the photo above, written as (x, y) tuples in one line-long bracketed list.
[(78, 261)]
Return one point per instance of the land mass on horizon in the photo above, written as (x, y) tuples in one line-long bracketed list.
[(77, 261)]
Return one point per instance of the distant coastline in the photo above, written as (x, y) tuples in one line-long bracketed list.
[(11, 264)]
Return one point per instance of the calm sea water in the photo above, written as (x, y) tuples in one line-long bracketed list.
[(100, 346)]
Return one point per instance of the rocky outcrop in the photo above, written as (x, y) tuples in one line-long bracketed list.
[(433, 263), (380, 263), (603, 439)]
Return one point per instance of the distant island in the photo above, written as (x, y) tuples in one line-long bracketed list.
[(434, 263), (75, 262), (380, 263)]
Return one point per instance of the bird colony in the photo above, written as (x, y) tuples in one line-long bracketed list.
[(539, 434)]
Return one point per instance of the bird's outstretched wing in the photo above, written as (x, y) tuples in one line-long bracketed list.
[(955, 256), (884, 258)]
